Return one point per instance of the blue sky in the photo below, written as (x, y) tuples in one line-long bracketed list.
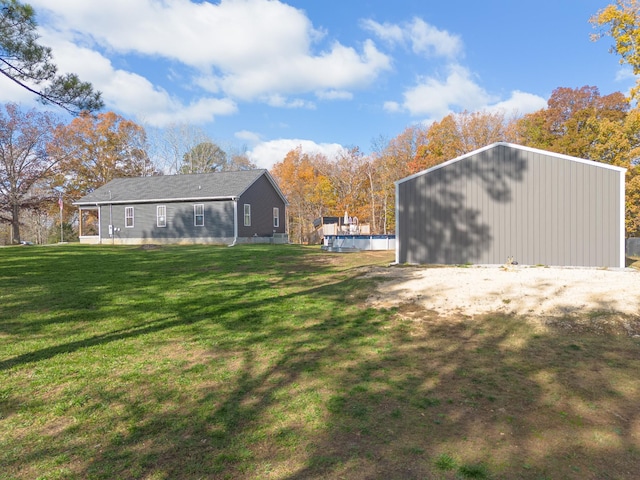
[(270, 75)]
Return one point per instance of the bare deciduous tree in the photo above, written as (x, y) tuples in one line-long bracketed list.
[(25, 163)]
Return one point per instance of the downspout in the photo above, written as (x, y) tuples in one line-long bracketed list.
[(112, 234), (99, 224), (111, 229), (235, 222)]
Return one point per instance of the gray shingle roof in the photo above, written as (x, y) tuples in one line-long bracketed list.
[(175, 187)]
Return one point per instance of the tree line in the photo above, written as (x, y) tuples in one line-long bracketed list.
[(45, 163), (578, 122), (43, 160)]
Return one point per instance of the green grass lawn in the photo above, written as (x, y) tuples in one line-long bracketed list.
[(264, 362)]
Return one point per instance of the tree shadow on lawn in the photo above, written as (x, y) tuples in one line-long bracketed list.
[(327, 406), (175, 439), (309, 384), (54, 288), (499, 401)]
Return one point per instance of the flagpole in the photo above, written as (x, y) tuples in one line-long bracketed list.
[(61, 204)]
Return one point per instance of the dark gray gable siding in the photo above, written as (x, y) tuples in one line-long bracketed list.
[(511, 202), (263, 198)]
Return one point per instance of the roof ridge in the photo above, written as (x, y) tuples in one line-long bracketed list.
[(213, 185)]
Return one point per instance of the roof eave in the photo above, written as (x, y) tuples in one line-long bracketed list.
[(157, 200)]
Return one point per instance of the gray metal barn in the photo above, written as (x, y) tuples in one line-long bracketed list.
[(505, 200)]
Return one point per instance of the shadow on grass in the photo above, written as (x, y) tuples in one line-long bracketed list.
[(553, 407), (240, 379)]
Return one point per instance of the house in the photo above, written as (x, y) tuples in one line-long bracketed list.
[(507, 202), (220, 208)]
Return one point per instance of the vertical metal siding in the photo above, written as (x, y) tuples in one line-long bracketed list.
[(502, 202)]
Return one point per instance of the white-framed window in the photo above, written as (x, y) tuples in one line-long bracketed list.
[(198, 215), (128, 217), (247, 215), (161, 215), (276, 217)]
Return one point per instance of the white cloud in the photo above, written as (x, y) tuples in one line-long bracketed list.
[(334, 95), (281, 101), (624, 74), (201, 111), (131, 93), (392, 107), (247, 136), (421, 37), (340, 68), (390, 33), (267, 154), (232, 33), (247, 49), (12, 92), (520, 103), (427, 39), (436, 98)]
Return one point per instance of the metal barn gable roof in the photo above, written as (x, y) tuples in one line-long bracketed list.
[(516, 147)]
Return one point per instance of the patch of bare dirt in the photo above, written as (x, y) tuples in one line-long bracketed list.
[(514, 290)]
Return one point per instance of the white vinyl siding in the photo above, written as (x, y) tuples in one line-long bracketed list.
[(128, 217), (198, 215), (247, 215), (161, 216), (276, 217)]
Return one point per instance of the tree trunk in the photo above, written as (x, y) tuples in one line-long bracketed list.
[(15, 223), (374, 226), (384, 216)]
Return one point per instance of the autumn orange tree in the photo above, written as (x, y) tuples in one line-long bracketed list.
[(621, 22), (98, 149), (318, 186), (581, 123), (576, 121), (457, 134), (572, 121), (306, 189)]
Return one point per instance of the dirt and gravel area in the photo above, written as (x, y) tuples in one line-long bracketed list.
[(518, 290)]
